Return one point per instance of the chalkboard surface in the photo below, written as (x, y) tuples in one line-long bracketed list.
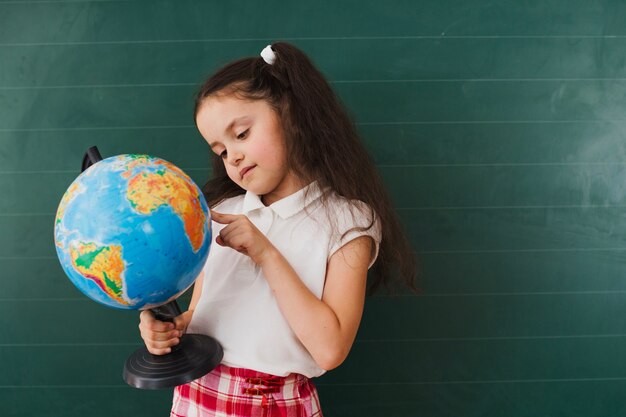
[(498, 127)]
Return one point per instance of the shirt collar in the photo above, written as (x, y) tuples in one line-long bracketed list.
[(285, 207)]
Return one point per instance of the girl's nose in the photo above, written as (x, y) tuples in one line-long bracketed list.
[(234, 157)]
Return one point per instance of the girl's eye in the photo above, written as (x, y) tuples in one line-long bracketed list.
[(243, 134)]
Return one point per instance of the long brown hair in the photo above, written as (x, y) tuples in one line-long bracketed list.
[(321, 142)]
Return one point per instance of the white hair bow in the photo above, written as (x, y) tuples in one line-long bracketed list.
[(268, 55)]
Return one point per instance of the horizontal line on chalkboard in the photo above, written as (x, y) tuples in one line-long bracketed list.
[(498, 164), (65, 87), (32, 300), (311, 38), (27, 214), (412, 340), (77, 171), (537, 207), (433, 80), (501, 294), (469, 339), (361, 384), (490, 164), (573, 207), (472, 122), (62, 386), (12, 258), (472, 251), (63, 129), (426, 252), (430, 122), (187, 298), (604, 207), (64, 1), (67, 344), (477, 80), (494, 381)]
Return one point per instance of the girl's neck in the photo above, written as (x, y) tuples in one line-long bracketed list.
[(289, 186)]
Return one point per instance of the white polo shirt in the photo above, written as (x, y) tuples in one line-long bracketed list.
[(237, 306)]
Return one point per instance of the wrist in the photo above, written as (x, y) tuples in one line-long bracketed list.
[(267, 256)]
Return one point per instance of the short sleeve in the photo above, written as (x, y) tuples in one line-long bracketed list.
[(350, 218)]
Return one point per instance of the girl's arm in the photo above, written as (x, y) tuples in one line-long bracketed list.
[(326, 327), (197, 291)]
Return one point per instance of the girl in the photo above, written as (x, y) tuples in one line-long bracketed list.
[(299, 216)]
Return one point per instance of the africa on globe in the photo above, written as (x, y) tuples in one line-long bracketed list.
[(132, 232)]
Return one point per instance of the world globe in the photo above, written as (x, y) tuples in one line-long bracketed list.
[(132, 232)]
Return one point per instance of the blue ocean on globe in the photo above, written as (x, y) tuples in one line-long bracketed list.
[(132, 232)]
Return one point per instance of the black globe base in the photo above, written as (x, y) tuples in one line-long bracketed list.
[(196, 355)]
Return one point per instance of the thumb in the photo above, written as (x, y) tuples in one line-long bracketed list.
[(182, 321), (222, 218)]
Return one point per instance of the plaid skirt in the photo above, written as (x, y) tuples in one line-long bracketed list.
[(239, 392)]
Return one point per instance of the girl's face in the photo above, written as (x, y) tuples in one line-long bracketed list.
[(248, 137)]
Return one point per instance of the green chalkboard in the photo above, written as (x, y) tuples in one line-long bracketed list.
[(498, 127)]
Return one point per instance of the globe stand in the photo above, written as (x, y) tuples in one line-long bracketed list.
[(195, 355), (91, 157)]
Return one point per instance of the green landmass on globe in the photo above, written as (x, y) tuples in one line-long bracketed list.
[(103, 265)]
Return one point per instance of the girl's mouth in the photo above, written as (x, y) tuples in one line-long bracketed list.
[(246, 170)]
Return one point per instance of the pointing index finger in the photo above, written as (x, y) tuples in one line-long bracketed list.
[(222, 218)]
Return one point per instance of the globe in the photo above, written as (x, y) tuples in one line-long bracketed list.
[(132, 232)]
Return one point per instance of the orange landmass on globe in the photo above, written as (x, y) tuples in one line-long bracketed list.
[(103, 265), (171, 167), (135, 161), (149, 191)]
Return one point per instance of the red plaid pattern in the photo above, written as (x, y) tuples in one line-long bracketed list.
[(238, 392)]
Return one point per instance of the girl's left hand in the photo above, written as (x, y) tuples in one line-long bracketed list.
[(243, 236)]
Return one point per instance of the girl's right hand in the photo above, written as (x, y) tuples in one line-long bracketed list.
[(160, 336)]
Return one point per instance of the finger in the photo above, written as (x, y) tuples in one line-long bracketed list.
[(158, 352), (235, 238), (145, 317), (225, 231), (180, 323), (223, 218), (150, 336), (236, 229), (226, 235), (149, 333), (161, 348), (150, 323)]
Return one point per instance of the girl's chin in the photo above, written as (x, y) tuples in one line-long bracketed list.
[(253, 188)]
